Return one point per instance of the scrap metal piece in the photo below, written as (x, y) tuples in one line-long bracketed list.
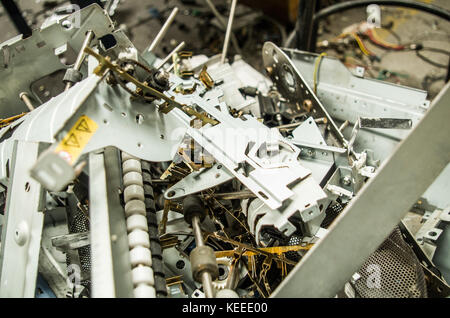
[(205, 78), (105, 64), (22, 230), (382, 203), (347, 97), (38, 53), (293, 86), (199, 181), (384, 123), (71, 241)]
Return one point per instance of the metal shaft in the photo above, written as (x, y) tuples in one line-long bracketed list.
[(163, 30), (81, 54), (223, 23), (207, 285), (232, 275), (206, 276), (169, 57), (228, 33), (24, 97), (246, 194), (197, 231)]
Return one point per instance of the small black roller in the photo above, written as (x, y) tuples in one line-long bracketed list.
[(193, 206)]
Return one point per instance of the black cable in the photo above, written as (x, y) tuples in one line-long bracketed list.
[(17, 18), (420, 48), (430, 80), (429, 61), (435, 50)]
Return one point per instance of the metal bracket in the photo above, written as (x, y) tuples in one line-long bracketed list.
[(21, 238), (293, 86)]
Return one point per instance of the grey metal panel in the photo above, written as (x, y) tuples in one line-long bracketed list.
[(114, 113), (347, 96), (24, 61), (119, 238), (21, 238), (102, 272), (438, 193), (379, 206), (111, 267)]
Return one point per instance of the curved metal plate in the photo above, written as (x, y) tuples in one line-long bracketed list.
[(292, 85)]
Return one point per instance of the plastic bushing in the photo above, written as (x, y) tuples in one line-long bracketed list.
[(203, 259)]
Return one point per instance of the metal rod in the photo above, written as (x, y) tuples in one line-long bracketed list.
[(207, 285), (163, 30), (223, 23), (289, 126), (81, 54), (197, 232), (228, 33), (246, 194), (206, 276), (169, 57), (343, 126), (24, 97), (232, 275)]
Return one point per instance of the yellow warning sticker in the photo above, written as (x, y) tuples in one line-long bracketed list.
[(72, 145)]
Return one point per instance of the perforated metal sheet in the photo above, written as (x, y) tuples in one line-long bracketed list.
[(79, 223), (293, 255), (400, 273)]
